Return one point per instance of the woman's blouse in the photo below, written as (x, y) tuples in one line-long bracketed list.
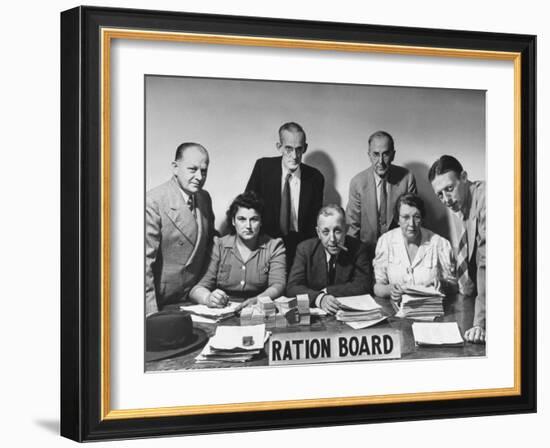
[(434, 259), (265, 267)]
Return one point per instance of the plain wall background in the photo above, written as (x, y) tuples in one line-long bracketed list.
[(29, 183), (238, 122)]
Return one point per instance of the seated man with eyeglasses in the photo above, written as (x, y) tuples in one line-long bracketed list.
[(373, 192), (292, 191), (331, 265)]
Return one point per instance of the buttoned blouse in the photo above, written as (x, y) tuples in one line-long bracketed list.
[(434, 259), (265, 267)]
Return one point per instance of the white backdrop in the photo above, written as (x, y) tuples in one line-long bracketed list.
[(30, 111)]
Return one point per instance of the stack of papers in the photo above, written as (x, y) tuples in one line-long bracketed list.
[(359, 309), (202, 313), (441, 334), (421, 303), (234, 344)]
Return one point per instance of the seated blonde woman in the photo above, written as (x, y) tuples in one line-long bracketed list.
[(412, 255), (245, 264)]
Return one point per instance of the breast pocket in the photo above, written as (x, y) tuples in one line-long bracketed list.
[(224, 272)]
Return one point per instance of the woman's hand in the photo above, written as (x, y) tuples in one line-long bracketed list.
[(396, 291), (436, 283), (217, 299), (330, 304), (245, 303)]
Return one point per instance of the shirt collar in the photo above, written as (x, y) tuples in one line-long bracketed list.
[(378, 179), (231, 241), (297, 172)]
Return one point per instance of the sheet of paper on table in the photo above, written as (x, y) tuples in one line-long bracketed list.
[(230, 338), (358, 325), (421, 290), (363, 302), (437, 333), (214, 313)]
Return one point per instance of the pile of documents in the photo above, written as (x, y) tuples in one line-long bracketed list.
[(421, 303), (234, 344), (283, 312), (441, 334), (202, 313), (359, 311)]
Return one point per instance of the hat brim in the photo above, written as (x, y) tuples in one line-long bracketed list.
[(198, 340)]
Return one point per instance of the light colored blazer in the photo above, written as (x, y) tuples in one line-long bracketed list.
[(362, 209), (177, 245), (477, 236)]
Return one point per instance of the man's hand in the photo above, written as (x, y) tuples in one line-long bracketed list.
[(396, 291), (217, 299), (330, 304), (475, 335)]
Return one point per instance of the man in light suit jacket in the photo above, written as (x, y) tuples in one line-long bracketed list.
[(291, 190), (374, 191), (465, 202), (179, 228), (331, 265)]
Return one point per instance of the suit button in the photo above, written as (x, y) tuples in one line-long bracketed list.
[(242, 282), (243, 268)]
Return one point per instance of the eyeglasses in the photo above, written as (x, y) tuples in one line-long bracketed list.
[(415, 218)]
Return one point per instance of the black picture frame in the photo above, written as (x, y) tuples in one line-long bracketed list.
[(83, 407)]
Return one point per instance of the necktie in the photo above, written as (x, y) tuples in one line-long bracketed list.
[(382, 211), (332, 269), (284, 219), (190, 203), (465, 284)]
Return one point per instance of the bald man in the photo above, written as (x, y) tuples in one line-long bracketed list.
[(179, 229)]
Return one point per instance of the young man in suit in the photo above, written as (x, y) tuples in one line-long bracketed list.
[(291, 190), (374, 191), (331, 265), (465, 202), (179, 229)]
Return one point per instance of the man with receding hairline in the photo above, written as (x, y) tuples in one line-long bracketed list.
[(179, 228), (291, 190), (465, 202), (374, 191), (331, 265)]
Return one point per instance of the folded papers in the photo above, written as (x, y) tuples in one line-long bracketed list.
[(359, 309), (441, 334), (234, 344), (215, 314)]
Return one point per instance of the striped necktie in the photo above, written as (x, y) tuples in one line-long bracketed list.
[(465, 284)]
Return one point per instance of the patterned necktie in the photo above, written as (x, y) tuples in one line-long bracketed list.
[(284, 219), (191, 203), (382, 211), (332, 269), (465, 284)]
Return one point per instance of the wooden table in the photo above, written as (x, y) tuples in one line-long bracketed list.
[(458, 309)]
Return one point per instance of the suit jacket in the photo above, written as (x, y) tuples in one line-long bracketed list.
[(362, 209), (177, 245), (267, 183), (476, 230), (309, 273)]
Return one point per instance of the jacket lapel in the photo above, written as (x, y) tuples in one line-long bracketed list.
[(371, 204), (392, 195), (319, 264), (305, 194), (181, 216), (276, 174)]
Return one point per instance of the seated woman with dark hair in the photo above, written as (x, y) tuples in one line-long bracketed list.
[(245, 264), (412, 254)]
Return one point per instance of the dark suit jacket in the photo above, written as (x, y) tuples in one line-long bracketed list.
[(266, 182), (309, 272), (172, 264), (362, 209)]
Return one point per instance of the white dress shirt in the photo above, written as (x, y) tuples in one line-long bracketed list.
[(378, 183), (294, 182)]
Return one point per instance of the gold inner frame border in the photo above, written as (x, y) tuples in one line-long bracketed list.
[(107, 35)]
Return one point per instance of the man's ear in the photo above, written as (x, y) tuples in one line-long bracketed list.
[(318, 232), (174, 166), (464, 176), (278, 146), (305, 148)]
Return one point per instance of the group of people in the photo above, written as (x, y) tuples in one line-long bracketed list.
[(283, 240)]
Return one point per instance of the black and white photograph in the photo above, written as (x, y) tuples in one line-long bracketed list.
[(296, 223)]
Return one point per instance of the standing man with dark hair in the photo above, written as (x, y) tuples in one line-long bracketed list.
[(373, 192), (291, 190), (179, 228), (465, 200)]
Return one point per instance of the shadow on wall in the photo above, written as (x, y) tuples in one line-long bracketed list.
[(436, 215), (323, 162)]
